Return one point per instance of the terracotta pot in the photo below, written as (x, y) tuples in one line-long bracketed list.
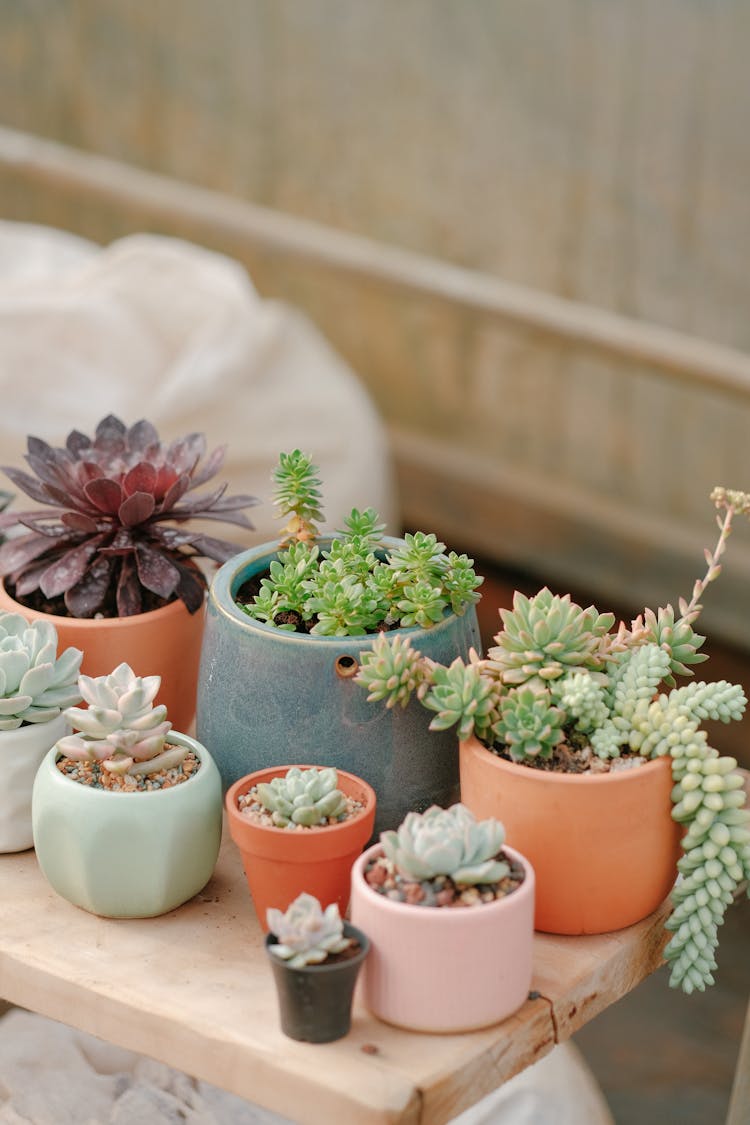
[(21, 752), (604, 847), (301, 694), (128, 855), (315, 1001), (281, 863), (165, 642), (443, 969)]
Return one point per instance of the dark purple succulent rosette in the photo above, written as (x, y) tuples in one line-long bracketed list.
[(102, 541)]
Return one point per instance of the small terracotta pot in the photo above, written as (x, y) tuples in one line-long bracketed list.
[(164, 642), (281, 863), (441, 968), (315, 1001), (604, 846)]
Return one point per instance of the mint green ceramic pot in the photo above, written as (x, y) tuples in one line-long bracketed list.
[(128, 855), (268, 697)]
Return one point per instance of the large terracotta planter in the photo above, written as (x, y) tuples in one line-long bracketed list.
[(604, 847), (165, 642), (281, 863), (21, 752), (262, 691), (128, 855), (441, 969)]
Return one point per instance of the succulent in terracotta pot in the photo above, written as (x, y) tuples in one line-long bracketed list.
[(126, 812), (108, 547), (444, 882), (568, 717), (316, 958), (35, 686)]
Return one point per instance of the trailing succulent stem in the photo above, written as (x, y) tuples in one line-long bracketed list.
[(356, 586), (559, 675)]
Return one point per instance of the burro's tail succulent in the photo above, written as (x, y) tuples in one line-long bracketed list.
[(303, 797), (121, 728), (447, 842), (35, 684), (306, 934)]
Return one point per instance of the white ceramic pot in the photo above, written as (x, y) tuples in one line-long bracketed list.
[(440, 969), (128, 855), (21, 751)]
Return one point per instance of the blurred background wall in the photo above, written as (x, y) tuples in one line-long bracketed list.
[(593, 150)]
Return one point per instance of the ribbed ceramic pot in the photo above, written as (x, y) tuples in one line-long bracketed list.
[(128, 855), (21, 752), (604, 846), (266, 697), (165, 642), (440, 968)]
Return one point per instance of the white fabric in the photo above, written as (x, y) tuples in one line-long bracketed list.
[(158, 328), (51, 1074)]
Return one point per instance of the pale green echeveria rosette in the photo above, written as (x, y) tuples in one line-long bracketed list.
[(303, 797), (121, 728), (447, 842), (35, 684), (306, 934)]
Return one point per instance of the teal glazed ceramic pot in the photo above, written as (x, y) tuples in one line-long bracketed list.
[(128, 855), (268, 697)]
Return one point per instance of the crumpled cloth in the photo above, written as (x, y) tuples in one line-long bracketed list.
[(163, 329), (51, 1074)]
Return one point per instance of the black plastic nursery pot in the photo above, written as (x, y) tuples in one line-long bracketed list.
[(315, 1002)]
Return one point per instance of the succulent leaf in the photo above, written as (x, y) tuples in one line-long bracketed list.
[(447, 842), (35, 684), (306, 934)]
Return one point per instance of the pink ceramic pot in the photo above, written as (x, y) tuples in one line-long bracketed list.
[(433, 969)]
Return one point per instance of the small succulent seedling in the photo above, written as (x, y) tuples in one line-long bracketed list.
[(559, 673), (35, 684), (103, 540), (447, 842), (121, 728), (356, 586), (303, 797), (305, 933)]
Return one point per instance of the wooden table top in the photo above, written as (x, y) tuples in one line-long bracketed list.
[(193, 989)]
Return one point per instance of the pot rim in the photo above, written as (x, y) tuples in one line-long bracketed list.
[(458, 917), (472, 745), (245, 783), (26, 730), (322, 968), (87, 623), (48, 763), (232, 573)]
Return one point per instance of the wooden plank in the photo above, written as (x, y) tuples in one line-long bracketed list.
[(193, 990)]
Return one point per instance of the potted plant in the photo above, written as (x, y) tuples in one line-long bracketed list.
[(127, 813), (35, 685), (315, 958), (449, 911), (299, 828), (101, 560), (575, 734), (286, 623)]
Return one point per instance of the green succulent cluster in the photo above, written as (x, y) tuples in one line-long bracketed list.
[(447, 842), (305, 933), (304, 797), (561, 674), (356, 586), (35, 683)]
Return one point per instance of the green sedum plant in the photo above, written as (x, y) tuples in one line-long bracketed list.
[(447, 842), (35, 683), (121, 728), (559, 676), (305, 933), (303, 797), (357, 585)]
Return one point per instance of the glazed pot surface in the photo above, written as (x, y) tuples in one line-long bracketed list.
[(267, 696), (604, 847), (21, 752)]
